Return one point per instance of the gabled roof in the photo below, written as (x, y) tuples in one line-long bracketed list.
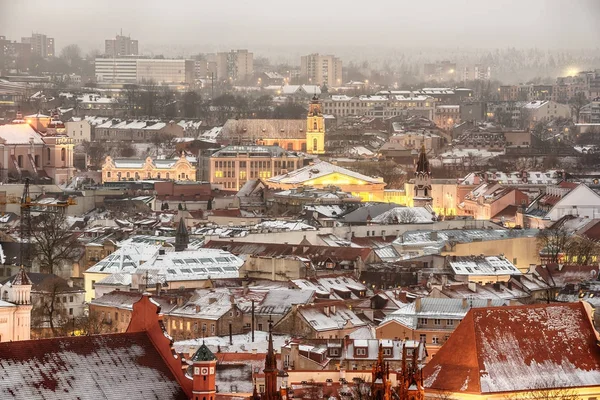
[(518, 348), (139, 364), (319, 170)]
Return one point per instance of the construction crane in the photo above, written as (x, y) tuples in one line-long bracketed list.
[(25, 226)]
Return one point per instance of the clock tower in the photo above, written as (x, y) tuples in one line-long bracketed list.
[(315, 128), (204, 369)]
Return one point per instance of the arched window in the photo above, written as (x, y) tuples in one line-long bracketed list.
[(48, 154), (118, 175), (158, 175), (315, 127), (128, 175), (168, 175), (137, 176), (63, 154), (315, 144), (148, 175), (290, 146), (108, 174)]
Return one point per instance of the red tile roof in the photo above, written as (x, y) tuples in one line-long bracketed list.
[(116, 366), (568, 185), (507, 349)]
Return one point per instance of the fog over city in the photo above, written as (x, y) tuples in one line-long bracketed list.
[(182, 27)]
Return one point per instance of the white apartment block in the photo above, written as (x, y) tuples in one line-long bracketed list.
[(140, 70), (379, 106), (321, 69)]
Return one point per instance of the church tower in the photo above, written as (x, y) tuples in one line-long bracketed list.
[(381, 386), (182, 237), (271, 389), (19, 293), (315, 128), (422, 194), (204, 385)]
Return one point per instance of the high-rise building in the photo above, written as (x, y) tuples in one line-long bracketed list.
[(235, 65), (41, 45), (121, 46), (321, 69)]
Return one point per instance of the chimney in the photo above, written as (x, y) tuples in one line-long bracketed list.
[(326, 310), (418, 304), (465, 303), (433, 236), (472, 286), (489, 302), (347, 341), (161, 252), (158, 288), (402, 297)]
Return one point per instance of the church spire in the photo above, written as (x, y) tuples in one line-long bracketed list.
[(423, 163), (182, 237), (271, 390)]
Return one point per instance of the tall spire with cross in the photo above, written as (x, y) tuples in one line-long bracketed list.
[(271, 390)]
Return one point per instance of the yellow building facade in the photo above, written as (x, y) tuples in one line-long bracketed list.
[(131, 169)]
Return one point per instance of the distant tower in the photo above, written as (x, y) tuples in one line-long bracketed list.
[(182, 237), (422, 195), (271, 390), (204, 385), (315, 128)]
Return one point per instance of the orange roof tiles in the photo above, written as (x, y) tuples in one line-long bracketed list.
[(518, 348)]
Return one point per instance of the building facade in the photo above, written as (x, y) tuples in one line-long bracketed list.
[(235, 65), (233, 166), (177, 169), (144, 70), (380, 106), (121, 46), (41, 45), (321, 69)]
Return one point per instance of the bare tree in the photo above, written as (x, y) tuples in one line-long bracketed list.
[(552, 242), (48, 311), (313, 390), (577, 102), (95, 152), (53, 244), (581, 250), (407, 216)]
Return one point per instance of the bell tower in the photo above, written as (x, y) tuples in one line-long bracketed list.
[(204, 379), (315, 128), (422, 195)]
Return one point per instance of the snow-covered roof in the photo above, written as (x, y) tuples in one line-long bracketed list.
[(434, 308), (19, 134), (320, 169), (486, 265), (407, 215), (240, 343)]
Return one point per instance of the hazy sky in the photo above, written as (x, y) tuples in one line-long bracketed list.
[(205, 25)]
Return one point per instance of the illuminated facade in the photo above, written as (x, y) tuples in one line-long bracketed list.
[(315, 128), (307, 135), (30, 152), (233, 166), (131, 169), (323, 174)]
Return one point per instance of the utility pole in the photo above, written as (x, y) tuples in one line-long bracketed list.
[(252, 321)]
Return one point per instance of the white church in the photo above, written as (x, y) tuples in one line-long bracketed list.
[(15, 309)]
